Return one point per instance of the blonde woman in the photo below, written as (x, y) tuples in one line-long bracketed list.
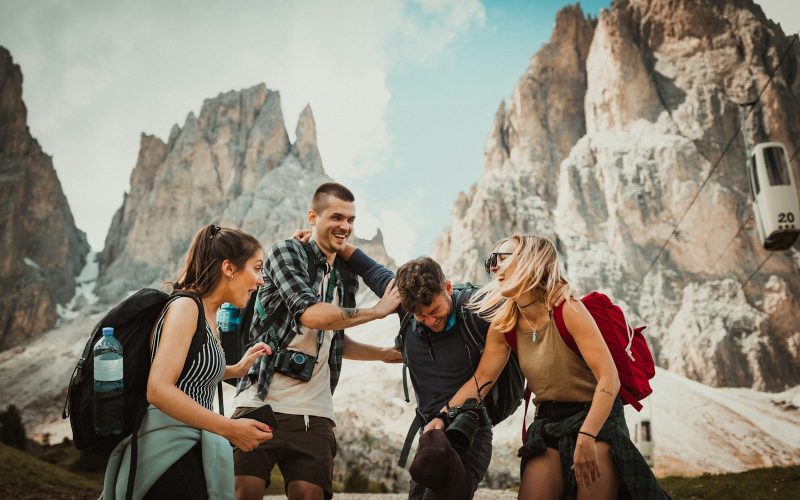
[(578, 444)]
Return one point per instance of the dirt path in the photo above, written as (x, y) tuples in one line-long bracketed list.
[(481, 494)]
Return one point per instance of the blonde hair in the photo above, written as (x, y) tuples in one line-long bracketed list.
[(536, 271)]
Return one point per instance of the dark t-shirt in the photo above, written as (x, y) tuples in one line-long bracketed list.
[(452, 365), (452, 368)]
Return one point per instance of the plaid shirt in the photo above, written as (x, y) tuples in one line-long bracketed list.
[(286, 280)]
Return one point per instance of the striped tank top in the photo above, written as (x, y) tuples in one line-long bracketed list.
[(204, 371)]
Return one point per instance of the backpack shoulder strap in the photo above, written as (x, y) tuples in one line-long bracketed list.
[(561, 326), (197, 340), (413, 429), (475, 334), (349, 283), (400, 344), (311, 263)]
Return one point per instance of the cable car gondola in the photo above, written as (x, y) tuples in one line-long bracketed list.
[(774, 196)]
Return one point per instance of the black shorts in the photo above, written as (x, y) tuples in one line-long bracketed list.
[(184, 479), (301, 454)]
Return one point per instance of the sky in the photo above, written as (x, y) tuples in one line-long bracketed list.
[(403, 92)]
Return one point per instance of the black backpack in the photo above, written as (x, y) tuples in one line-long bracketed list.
[(133, 320), (506, 395)]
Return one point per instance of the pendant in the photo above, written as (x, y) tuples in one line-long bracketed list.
[(533, 336)]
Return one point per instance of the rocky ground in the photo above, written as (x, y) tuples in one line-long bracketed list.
[(481, 494)]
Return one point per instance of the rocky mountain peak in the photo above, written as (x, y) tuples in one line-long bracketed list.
[(14, 136), (43, 251), (305, 146), (232, 165), (608, 136)]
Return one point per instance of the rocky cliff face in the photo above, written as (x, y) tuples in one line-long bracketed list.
[(231, 165), (654, 87), (43, 251), (528, 140)]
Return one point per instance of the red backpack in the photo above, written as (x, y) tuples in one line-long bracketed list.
[(627, 345)]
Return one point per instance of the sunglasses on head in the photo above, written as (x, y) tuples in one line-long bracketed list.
[(491, 261)]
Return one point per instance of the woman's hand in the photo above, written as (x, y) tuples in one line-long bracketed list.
[(246, 433), (241, 368), (302, 235), (584, 462)]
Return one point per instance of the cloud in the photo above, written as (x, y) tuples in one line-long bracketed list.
[(430, 26), (97, 74), (401, 223)]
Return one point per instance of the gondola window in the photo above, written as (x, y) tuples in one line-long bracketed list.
[(777, 169)]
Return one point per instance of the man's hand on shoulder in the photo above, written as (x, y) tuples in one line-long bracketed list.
[(302, 235), (389, 302)]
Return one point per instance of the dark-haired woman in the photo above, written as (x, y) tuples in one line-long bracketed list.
[(183, 448), (578, 444)]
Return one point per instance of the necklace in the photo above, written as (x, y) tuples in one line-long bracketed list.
[(534, 332)]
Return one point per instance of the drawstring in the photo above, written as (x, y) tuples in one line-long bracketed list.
[(630, 332), (305, 420)]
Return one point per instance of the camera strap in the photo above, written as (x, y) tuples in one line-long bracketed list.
[(474, 368)]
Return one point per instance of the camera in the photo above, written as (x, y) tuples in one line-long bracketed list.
[(465, 420), (295, 364)]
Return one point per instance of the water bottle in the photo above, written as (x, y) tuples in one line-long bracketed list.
[(228, 318), (108, 401)]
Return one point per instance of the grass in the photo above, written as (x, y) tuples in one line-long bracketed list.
[(44, 474), (25, 476), (771, 483)]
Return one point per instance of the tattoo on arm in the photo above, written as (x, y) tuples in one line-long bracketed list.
[(349, 312), (605, 391)]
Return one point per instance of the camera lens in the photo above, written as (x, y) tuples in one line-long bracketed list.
[(461, 431), (297, 361)]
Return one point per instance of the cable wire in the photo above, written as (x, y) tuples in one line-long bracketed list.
[(716, 164), (795, 154), (714, 266), (741, 287)]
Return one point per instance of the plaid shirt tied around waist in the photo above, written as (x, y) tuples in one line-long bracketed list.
[(286, 279), (634, 474)]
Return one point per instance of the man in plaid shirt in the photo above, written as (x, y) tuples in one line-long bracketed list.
[(308, 341)]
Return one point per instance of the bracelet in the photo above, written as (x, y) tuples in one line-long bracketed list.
[(587, 434)]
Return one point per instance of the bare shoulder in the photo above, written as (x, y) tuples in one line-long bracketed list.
[(574, 308), (496, 335), (182, 313), (576, 316)]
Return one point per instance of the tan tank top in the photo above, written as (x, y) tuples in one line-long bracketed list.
[(554, 371)]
